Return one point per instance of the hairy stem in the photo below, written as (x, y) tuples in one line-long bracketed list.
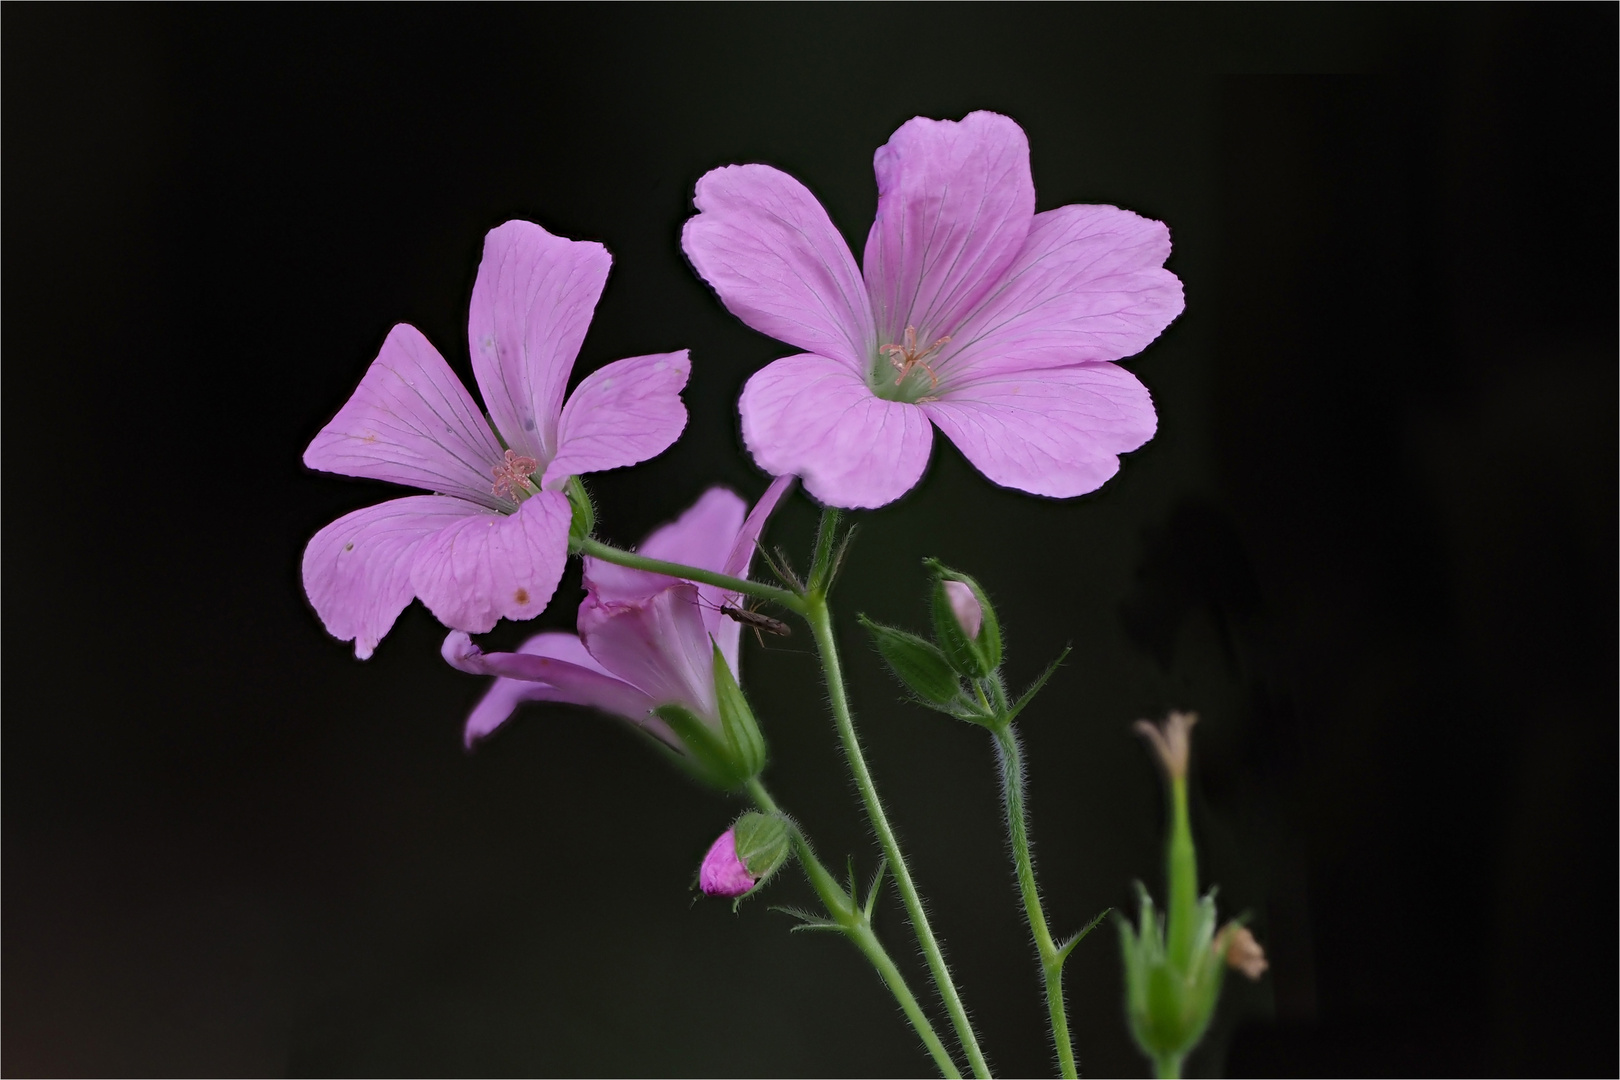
[(1012, 787), (846, 910), (607, 553), (820, 619)]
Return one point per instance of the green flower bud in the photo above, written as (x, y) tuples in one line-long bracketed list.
[(965, 624), (919, 665)]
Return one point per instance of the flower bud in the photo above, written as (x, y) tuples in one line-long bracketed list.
[(965, 624), (745, 855), (919, 665)]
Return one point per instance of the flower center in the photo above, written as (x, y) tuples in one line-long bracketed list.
[(512, 477), (909, 363)]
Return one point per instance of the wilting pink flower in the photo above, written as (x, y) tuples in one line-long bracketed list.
[(644, 639), (490, 543), (723, 872), (994, 322)]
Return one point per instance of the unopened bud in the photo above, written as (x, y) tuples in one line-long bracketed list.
[(745, 855), (1172, 741), (964, 623), (1236, 945)]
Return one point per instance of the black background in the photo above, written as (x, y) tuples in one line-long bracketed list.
[(1374, 542)]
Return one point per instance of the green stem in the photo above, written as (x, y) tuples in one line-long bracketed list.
[(1168, 1066), (607, 553), (820, 619), (851, 918), (1012, 774)]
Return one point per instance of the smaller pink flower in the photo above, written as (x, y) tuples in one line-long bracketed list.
[(492, 539), (723, 872), (644, 639)]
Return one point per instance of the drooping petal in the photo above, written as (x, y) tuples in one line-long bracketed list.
[(816, 418), (625, 412), (700, 537), (767, 247), (531, 305), (1055, 432), (547, 667), (357, 570), (410, 421), (955, 201), (492, 566), (1089, 285), (659, 645)]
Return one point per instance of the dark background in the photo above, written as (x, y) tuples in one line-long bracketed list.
[(1374, 543)]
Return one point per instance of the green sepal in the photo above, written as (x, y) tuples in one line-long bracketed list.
[(919, 665), (706, 751), (975, 657), (764, 843), (737, 721), (1169, 1000), (584, 520)]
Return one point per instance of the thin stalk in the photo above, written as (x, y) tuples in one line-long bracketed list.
[(1012, 787), (607, 553), (851, 918), (1182, 871), (820, 619)]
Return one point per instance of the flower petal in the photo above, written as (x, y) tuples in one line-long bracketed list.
[(357, 570), (767, 247), (659, 645), (700, 537), (410, 421), (955, 201), (1054, 432), (492, 566), (531, 306), (815, 418), (1089, 285), (548, 667), (728, 632), (622, 413)]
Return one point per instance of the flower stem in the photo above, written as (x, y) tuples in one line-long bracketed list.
[(820, 618), (847, 911), (1012, 787), (607, 553)]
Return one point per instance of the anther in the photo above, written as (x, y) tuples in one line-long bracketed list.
[(906, 357), (512, 477)]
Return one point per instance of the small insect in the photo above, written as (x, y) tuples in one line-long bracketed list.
[(756, 622)]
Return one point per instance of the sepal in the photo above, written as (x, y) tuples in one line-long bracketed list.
[(919, 665), (584, 520)]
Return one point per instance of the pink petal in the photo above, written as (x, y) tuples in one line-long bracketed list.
[(492, 566), (411, 421), (965, 606), (955, 201), (816, 418), (728, 633), (767, 247), (547, 667), (357, 570), (531, 306), (699, 537), (1054, 432), (1089, 285), (625, 412), (659, 645), (723, 872)]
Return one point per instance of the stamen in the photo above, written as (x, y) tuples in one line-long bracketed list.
[(512, 477), (903, 358)]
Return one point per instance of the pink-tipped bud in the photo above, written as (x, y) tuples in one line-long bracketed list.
[(969, 615), (723, 872), (1240, 951)]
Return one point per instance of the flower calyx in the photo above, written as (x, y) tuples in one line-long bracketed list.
[(735, 753)]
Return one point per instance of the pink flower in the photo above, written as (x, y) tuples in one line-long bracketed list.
[(490, 543), (994, 322), (723, 872), (644, 639)]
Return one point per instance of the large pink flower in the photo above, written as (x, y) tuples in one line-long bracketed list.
[(644, 639), (994, 322), (490, 543)]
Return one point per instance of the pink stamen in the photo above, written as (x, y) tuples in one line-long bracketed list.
[(906, 357), (512, 476)]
